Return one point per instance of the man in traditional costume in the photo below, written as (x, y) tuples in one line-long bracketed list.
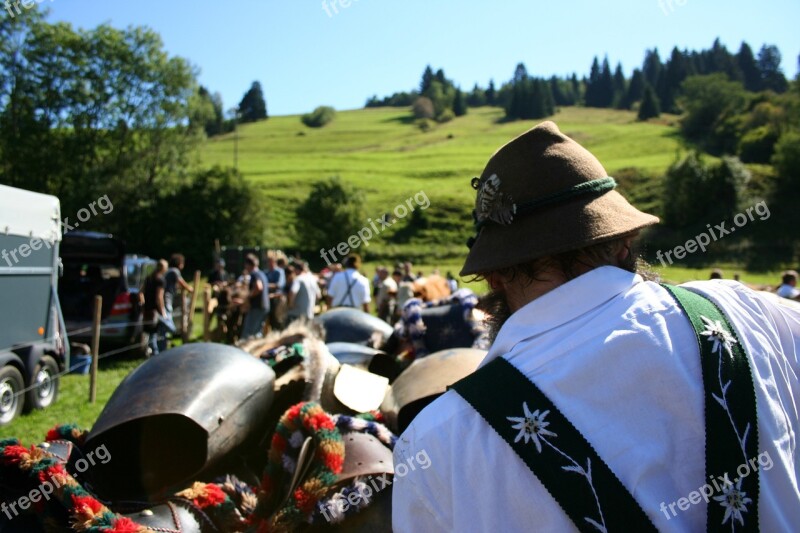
[(606, 401)]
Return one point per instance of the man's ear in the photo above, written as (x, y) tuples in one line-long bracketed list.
[(625, 251), (495, 281)]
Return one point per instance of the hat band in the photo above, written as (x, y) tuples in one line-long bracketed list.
[(596, 187)]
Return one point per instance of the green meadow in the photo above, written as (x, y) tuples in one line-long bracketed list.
[(383, 153)]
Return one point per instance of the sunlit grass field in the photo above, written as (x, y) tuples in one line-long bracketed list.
[(383, 153)]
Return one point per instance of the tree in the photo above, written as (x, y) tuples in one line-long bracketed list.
[(650, 107), (114, 113), (477, 97), (253, 107), (593, 90), (320, 117), (709, 102), (423, 108), (751, 75), (459, 104), (635, 91), (619, 87), (427, 79), (333, 211), (220, 201), (769, 66), (652, 67), (491, 94), (213, 114)]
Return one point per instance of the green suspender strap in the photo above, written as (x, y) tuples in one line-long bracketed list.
[(731, 421), (581, 482)]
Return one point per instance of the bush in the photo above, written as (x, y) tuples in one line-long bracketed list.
[(446, 116), (758, 145), (424, 124), (332, 212), (319, 117), (423, 108)]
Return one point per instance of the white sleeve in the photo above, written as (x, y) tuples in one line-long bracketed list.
[(410, 511)]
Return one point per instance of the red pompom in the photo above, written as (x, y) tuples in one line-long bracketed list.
[(124, 525)]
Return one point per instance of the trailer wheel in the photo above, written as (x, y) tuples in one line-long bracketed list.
[(44, 385), (11, 399)]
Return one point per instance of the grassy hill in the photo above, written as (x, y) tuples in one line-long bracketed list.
[(383, 153)]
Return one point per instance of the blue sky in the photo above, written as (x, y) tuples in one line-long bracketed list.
[(305, 57)]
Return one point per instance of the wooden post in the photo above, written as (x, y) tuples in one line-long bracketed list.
[(207, 313), (192, 305), (98, 310)]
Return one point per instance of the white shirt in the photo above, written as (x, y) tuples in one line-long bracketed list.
[(359, 293), (306, 292), (385, 289), (787, 291), (620, 361)]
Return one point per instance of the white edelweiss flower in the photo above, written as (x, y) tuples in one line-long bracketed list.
[(717, 334), (734, 500), (531, 426)]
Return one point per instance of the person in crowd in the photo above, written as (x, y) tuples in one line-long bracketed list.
[(257, 298), (155, 316), (715, 274), (172, 280), (788, 287), (350, 288), (405, 291), (408, 272), (384, 301), (218, 276), (376, 282), (303, 293), (276, 276), (607, 402), (452, 281)]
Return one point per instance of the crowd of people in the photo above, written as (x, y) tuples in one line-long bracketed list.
[(260, 300)]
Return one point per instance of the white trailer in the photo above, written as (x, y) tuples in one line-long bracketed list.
[(34, 348)]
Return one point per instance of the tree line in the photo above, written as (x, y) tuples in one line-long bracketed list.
[(653, 88)]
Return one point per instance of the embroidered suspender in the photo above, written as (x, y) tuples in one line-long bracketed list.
[(730, 413), (580, 481)]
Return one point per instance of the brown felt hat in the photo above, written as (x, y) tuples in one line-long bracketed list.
[(543, 194)]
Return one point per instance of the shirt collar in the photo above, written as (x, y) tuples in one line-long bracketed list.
[(561, 305)]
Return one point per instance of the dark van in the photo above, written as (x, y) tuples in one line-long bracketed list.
[(95, 263)]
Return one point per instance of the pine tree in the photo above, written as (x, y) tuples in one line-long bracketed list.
[(427, 79), (491, 94), (253, 106), (769, 65), (751, 75), (650, 107), (619, 87), (652, 67), (635, 91), (606, 86), (593, 96), (459, 104)]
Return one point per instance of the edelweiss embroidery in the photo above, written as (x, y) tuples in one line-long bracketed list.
[(532, 427), (493, 204)]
